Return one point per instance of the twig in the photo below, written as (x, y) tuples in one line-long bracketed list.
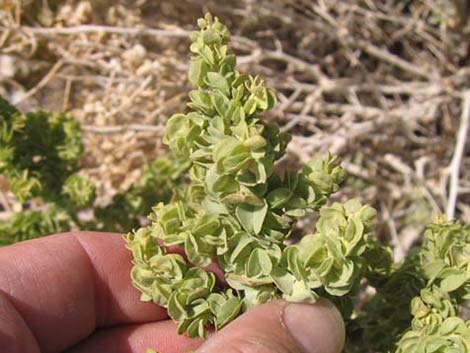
[(457, 157), (175, 33), (108, 130), (179, 33), (392, 59), (41, 83)]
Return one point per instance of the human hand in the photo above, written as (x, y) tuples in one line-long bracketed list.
[(72, 293)]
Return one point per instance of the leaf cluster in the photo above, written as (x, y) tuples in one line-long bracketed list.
[(238, 211), (418, 302), (445, 264)]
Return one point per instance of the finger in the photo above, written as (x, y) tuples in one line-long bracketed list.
[(68, 284), (160, 336), (278, 327)]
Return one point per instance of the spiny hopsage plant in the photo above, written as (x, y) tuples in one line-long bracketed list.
[(238, 212), (39, 157)]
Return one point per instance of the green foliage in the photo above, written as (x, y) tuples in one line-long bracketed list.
[(38, 152), (39, 157), (445, 264), (389, 309), (417, 303), (238, 212), (31, 224)]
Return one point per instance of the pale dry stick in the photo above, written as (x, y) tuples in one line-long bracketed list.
[(401, 20), (292, 98), (457, 157), (109, 130), (421, 181), (309, 101), (297, 62), (107, 29), (345, 84), (30, 40), (41, 83), (18, 13), (99, 80), (357, 171), (396, 163), (177, 33), (3, 37)]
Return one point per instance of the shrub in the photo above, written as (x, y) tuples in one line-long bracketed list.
[(39, 157)]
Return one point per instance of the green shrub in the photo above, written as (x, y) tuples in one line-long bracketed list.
[(39, 157)]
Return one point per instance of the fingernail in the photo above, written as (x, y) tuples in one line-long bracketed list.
[(316, 328)]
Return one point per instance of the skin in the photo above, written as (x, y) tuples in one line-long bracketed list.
[(72, 293)]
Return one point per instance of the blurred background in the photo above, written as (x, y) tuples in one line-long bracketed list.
[(384, 84)]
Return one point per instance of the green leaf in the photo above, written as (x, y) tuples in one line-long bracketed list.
[(259, 263), (198, 71), (278, 197), (217, 81), (453, 279), (228, 311), (252, 217), (221, 103)]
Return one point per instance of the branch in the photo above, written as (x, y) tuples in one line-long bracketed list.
[(108, 130), (390, 58), (457, 157), (177, 33), (174, 33), (41, 83)]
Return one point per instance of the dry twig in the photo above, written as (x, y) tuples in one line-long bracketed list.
[(458, 154)]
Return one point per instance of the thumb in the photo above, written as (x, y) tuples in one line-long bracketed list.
[(280, 327)]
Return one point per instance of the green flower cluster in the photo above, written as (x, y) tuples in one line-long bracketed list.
[(237, 211), (445, 264)]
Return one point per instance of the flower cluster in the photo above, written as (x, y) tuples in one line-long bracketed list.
[(237, 211)]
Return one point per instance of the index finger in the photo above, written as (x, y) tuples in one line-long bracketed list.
[(62, 287)]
